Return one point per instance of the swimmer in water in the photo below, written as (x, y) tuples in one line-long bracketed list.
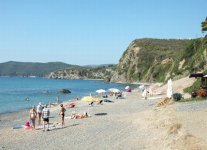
[(26, 99)]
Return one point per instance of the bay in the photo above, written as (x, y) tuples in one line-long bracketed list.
[(17, 93)]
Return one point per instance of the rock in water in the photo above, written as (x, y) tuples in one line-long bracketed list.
[(65, 91)]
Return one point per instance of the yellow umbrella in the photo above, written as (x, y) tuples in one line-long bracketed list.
[(90, 99)]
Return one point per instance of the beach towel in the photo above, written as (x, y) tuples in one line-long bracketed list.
[(71, 105), (52, 126), (17, 127)]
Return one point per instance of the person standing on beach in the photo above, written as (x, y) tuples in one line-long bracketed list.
[(58, 99), (62, 113), (145, 93), (45, 116), (39, 112), (32, 116)]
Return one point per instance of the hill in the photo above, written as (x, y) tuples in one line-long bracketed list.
[(92, 72), (13, 68), (156, 60)]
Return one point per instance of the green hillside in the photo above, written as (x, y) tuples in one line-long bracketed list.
[(160, 59), (90, 72), (13, 68)]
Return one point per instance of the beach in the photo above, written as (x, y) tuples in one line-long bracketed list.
[(132, 123)]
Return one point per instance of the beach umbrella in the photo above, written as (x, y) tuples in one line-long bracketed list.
[(141, 86), (114, 90), (169, 88), (100, 91), (127, 87), (90, 99)]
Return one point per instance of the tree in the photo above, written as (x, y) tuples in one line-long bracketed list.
[(204, 25)]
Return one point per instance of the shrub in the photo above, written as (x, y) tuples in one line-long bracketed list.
[(177, 96)]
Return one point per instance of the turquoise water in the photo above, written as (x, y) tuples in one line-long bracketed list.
[(15, 90)]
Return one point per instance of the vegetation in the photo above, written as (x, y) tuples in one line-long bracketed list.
[(193, 99), (157, 60), (29, 69), (204, 25), (160, 59), (194, 87), (57, 69), (153, 60), (78, 72)]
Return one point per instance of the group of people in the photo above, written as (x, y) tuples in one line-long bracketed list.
[(43, 113)]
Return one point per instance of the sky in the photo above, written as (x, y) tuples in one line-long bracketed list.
[(91, 32)]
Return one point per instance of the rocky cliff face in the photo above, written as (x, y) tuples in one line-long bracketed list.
[(157, 60), (127, 64), (104, 72)]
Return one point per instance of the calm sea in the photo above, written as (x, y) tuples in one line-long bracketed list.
[(18, 93)]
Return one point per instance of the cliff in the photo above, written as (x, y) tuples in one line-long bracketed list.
[(149, 60), (78, 72)]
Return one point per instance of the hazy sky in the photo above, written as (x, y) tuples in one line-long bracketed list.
[(87, 32)]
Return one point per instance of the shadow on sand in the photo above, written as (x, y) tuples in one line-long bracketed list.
[(100, 114), (58, 128), (73, 125)]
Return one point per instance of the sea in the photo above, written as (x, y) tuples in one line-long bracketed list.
[(19, 93)]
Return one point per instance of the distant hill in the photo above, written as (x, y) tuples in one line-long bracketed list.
[(13, 68), (101, 65), (103, 72)]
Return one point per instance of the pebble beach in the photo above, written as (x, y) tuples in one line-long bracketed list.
[(132, 123)]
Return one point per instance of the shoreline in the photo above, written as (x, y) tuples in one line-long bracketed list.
[(24, 112), (155, 87), (112, 115), (129, 123)]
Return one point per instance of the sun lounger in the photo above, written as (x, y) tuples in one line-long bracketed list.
[(107, 100)]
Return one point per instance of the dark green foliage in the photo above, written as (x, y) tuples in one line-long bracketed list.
[(194, 56), (29, 69), (159, 72), (43, 69), (194, 87), (177, 96), (204, 25), (89, 72), (193, 99)]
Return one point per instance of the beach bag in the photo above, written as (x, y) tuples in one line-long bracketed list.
[(27, 125)]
